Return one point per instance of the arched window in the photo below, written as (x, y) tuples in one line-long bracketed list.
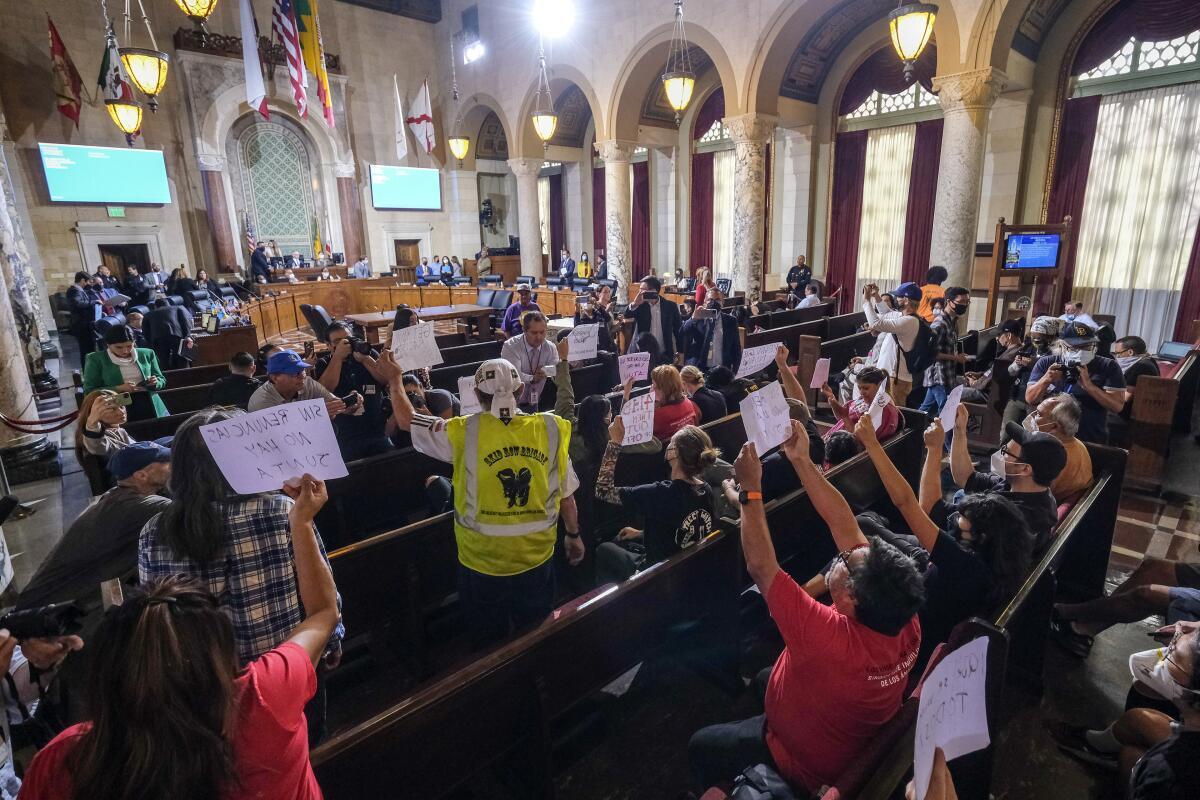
[(1181, 54), (275, 177), (716, 134), (880, 105)]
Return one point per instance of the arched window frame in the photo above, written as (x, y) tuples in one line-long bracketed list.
[(914, 104), (1144, 65)]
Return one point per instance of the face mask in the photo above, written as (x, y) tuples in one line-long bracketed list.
[(1086, 356), (1031, 423), (1151, 668), (1126, 362), (998, 465), (959, 309)]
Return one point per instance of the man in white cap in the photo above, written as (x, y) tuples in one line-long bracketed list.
[(512, 480)]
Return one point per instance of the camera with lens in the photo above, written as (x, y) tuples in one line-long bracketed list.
[(56, 619), (1070, 373), (360, 346)]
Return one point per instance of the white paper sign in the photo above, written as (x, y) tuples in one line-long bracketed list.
[(765, 415), (756, 359), (876, 410), (953, 710), (584, 339), (467, 399), (638, 416), (259, 452), (415, 347), (549, 370), (634, 365), (950, 410), (820, 374)]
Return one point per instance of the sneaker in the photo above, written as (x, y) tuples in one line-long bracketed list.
[(1077, 644), (1071, 740)]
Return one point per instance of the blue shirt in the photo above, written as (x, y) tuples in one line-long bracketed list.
[(1093, 420)]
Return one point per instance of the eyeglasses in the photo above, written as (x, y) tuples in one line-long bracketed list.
[(844, 556), (1004, 451)]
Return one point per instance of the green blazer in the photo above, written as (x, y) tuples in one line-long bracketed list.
[(99, 372)]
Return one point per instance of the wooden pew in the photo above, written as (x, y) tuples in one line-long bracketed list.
[(185, 399), (195, 376), (839, 352), (780, 319), (788, 335), (470, 353), (845, 325), (1160, 404), (157, 428)]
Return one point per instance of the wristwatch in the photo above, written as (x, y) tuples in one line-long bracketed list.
[(744, 497), (570, 535)]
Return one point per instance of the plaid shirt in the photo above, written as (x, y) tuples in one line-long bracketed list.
[(255, 578), (941, 373)]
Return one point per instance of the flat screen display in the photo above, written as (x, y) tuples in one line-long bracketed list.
[(1032, 251), (83, 174), (406, 188)]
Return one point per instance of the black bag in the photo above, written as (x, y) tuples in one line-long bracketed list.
[(761, 782), (924, 350)]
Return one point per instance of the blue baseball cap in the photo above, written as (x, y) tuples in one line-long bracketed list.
[(139, 455), (908, 290), (286, 362)]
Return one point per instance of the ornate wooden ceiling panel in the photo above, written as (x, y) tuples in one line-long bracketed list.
[(821, 46), (491, 142), (1039, 18), (423, 10), (655, 108), (574, 113)]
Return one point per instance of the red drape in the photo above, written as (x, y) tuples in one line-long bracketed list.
[(700, 249), (1148, 20), (1189, 301), (1075, 140), (712, 110), (883, 71), (639, 235), (922, 193), (845, 213), (768, 211), (558, 232), (599, 224)]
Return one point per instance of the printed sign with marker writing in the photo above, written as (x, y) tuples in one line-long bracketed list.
[(953, 710), (765, 415), (756, 359), (259, 452), (584, 341), (638, 416), (415, 347), (820, 374), (950, 410), (634, 365)]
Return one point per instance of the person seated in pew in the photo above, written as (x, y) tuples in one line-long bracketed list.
[(236, 388), (132, 372), (710, 338), (673, 409), (435, 402), (530, 352), (840, 447), (1042, 335), (870, 391), (812, 295), (350, 369), (1075, 369), (678, 513), (1009, 342), (135, 320), (1021, 471), (288, 382), (170, 681), (1131, 356), (595, 308), (711, 403), (102, 432), (687, 309), (506, 525), (844, 668), (1059, 416), (514, 314)]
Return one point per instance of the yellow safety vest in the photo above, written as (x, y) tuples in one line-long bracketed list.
[(508, 480)]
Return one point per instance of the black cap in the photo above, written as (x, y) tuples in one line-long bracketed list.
[(1041, 451), (1013, 326), (1076, 333)]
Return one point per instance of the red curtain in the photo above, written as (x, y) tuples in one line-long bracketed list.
[(639, 235), (883, 71), (1075, 140), (1148, 20), (700, 249), (712, 110), (922, 193), (1189, 301), (845, 213), (599, 225), (558, 232)]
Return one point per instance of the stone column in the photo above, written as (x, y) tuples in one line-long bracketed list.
[(212, 178), (618, 211), (464, 213), (966, 99), (351, 213), (526, 170), (750, 134)]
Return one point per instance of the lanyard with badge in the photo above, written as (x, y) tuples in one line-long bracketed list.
[(533, 367)]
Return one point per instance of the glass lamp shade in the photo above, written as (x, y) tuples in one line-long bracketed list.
[(544, 124), (147, 68), (198, 10), (126, 116), (679, 87), (911, 27), (459, 145)]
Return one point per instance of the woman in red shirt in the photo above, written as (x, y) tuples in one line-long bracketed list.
[(870, 381), (173, 716), (704, 284), (672, 408)]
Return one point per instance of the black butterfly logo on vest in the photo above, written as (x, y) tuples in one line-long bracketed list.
[(516, 485)]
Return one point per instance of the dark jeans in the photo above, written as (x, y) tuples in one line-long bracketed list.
[(614, 563), (440, 494), (497, 606), (719, 753), (314, 710)]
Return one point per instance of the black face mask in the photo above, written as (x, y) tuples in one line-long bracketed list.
[(959, 309)]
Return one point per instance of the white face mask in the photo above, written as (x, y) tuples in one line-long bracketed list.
[(1126, 362), (1030, 423), (998, 465), (1151, 668)]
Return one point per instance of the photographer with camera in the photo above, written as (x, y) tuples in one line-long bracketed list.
[(350, 371), (1095, 381)]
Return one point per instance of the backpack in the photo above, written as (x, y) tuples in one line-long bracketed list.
[(924, 349), (761, 782)]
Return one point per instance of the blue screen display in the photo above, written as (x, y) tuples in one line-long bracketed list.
[(82, 174), (1031, 251), (406, 188)]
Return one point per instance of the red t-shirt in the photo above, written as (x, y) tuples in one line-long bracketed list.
[(701, 293), (672, 417), (270, 742), (836, 682), (888, 426)]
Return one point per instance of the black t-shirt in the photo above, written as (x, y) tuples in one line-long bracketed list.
[(355, 378), (1168, 771), (1039, 508), (233, 390), (779, 476), (678, 514), (1143, 366), (711, 404), (958, 587)]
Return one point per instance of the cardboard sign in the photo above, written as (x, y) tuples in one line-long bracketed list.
[(638, 416), (584, 340), (634, 365), (756, 359), (765, 415), (953, 711), (466, 395), (950, 410), (259, 452), (415, 347), (820, 374)]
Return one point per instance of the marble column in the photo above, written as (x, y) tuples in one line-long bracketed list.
[(750, 134), (212, 178), (618, 211), (353, 246), (966, 99), (526, 171), (463, 208)]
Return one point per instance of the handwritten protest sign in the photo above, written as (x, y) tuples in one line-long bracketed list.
[(765, 415), (415, 347), (876, 410), (634, 365), (259, 452), (584, 339), (950, 410), (756, 359), (953, 710), (466, 395), (820, 374), (638, 416)]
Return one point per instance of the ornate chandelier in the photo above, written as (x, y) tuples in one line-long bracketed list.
[(147, 67), (679, 81), (911, 27), (545, 121)]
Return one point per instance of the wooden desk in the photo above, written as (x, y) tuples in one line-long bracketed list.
[(304, 273), (507, 267), (373, 323), (218, 348)]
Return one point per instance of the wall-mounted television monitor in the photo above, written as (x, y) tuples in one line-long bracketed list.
[(406, 188), (1032, 251), (116, 175)]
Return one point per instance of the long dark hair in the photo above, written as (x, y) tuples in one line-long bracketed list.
[(594, 411), (191, 526), (1002, 540), (160, 699)]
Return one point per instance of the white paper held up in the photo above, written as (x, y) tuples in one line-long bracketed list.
[(638, 416), (415, 347), (756, 359), (261, 451), (950, 410), (467, 399), (820, 374), (953, 710), (583, 341), (765, 415), (634, 365), (876, 410)]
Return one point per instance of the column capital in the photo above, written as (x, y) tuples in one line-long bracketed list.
[(343, 170), (617, 150), (973, 90), (211, 162), (525, 167), (744, 128)]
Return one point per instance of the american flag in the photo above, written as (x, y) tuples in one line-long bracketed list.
[(283, 25), (251, 239)]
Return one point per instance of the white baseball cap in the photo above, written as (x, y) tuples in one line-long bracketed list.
[(499, 378)]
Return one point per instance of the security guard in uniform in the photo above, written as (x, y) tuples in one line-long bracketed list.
[(512, 481)]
